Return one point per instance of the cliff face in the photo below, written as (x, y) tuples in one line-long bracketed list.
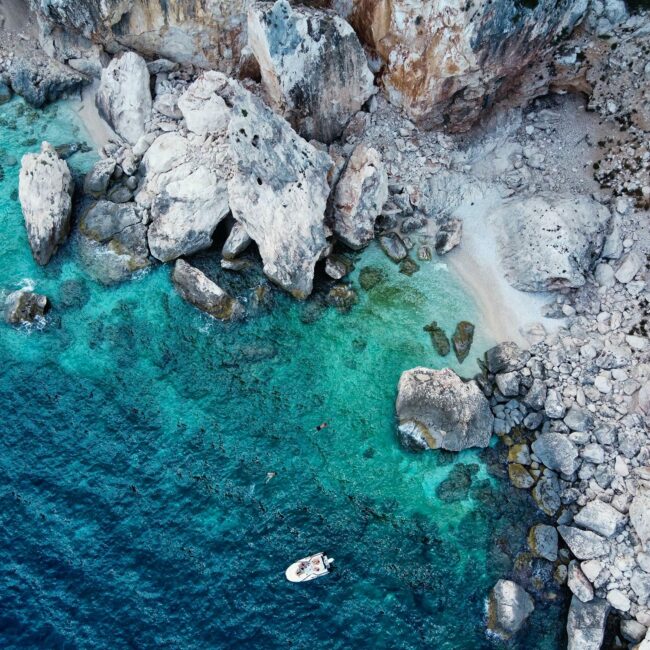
[(447, 60)]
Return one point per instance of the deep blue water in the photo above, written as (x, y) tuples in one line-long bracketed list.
[(135, 440)]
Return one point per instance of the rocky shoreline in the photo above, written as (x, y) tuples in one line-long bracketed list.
[(304, 156)]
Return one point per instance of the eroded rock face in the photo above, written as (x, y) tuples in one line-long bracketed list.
[(360, 195), (278, 193), (124, 96), (45, 191), (447, 60), (186, 187), (204, 109), (24, 306), (509, 606), (550, 242), (313, 67), (437, 409), (196, 288)]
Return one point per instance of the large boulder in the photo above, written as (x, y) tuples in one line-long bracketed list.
[(313, 67), (114, 241), (586, 624), (584, 544), (278, 193), (446, 61), (601, 518), (45, 192), (640, 517), (24, 306), (124, 96), (359, 197), (196, 288), (509, 606), (204, 109), (186, 188), (556, 451), (437, 409), (549, 242), (506, 357)]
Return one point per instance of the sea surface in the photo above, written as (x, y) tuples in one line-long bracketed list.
[(136, 435)]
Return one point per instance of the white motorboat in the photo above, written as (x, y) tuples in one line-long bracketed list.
[(309, 568)]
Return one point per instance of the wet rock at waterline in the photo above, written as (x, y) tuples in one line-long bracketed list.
[(586, 624), (359, 197), (313, 67), (124, 97), (462, 340), (197, 289), (393, 245), (438, 338), (45, 191), (278, 193), (509, 606), (449, 236), (24, 306), (437, 409)]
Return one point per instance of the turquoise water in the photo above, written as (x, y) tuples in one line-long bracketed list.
[(136, 438)]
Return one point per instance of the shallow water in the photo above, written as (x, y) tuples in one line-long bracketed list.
[(137, 435)]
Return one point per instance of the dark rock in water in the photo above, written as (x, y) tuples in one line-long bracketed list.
[(74, 294), (411, 224), (393, 246), (64, 151), (438, 338), (338, 266), (385, 222), (506, 357), (5, 92), (24, 306), (197, 289), (370, 277), (462, 339), (120, 194), (235, 265), (343, 297), (312, 312), (457, 485), (408, 267), (449, 236)]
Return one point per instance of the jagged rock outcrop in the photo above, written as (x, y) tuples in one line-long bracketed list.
[(278, 193), (124, 96), (24, 306), (186, 189), (237, 242), (509, 606), (359, 197), (313, 67), (116, 243), (204, 109), (437, 409), (45, 191), (196, 288), (550, 242), (446, 62)]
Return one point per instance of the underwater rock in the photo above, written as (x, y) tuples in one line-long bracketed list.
[(124, 96), (456, 486), (449, 236), (393, 245), (204, 109), (509, 606), (238, 241), (5, 92), (98, 178), (520, 477), (45, 189), (550, 242), (359, 197), (343, 297), (586, 624), (186, 187), (408, 267), (462, 339), (24, 306), (313, 67), (122, 239), (438, 338), (437, 409), (278, 193), (197, 289), (370, 277)]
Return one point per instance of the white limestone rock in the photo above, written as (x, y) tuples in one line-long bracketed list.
[(630, 265), (601, 518), (584, 544), (549, 242), (437, 409), (313, 67), (359, 197), (278, 193), (237, 242), (124, 96), (543, 541), (578, 583), (204, 109), (509, 606), (556, 451), (640, 517), (586, 624), (187, 187), (45, 192)]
